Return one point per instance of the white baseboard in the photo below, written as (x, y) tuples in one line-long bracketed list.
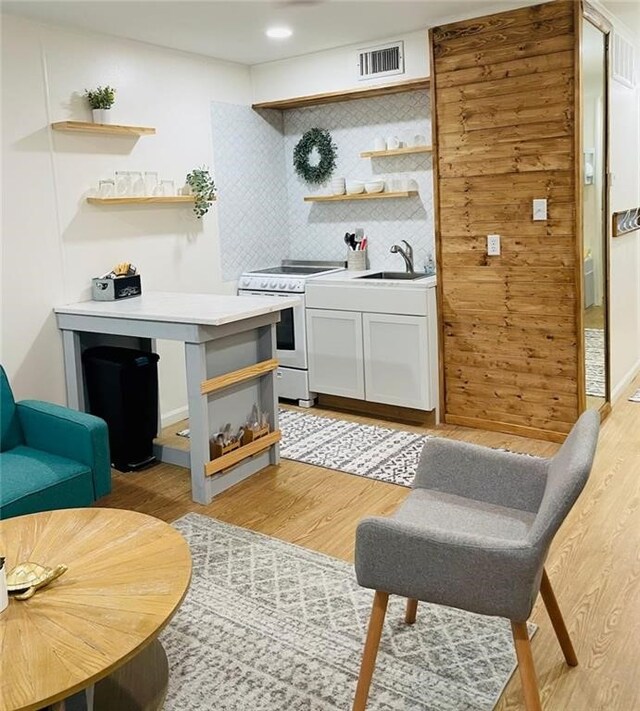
[(173, 416), (619, 389)]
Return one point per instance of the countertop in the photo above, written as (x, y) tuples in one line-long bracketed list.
[(351, 277), (200, 309)]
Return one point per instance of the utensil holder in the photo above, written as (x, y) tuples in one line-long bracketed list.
[(357, 260), (217, 450), (252, 435)]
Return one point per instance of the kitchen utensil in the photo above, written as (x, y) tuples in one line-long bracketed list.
[(357, 260), (354, 187), (106, 188), (123, 183), (375, 186)]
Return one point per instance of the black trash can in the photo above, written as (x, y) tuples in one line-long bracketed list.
[(122, 389)]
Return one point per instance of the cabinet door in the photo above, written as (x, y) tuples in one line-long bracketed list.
[(396, 360), (334, 339)]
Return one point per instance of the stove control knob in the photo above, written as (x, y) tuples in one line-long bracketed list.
[(273, 284), (246, 282), (292, 285), (282, 285), (264, 284)]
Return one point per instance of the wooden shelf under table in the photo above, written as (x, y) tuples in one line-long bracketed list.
[(361, 196), (113, 129), (226, 461)]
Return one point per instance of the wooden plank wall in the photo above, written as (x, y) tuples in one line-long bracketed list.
[(504, 91)]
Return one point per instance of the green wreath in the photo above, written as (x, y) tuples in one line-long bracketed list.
[(320, 139)]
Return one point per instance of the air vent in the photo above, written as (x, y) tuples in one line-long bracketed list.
[(375, 62), (623, 61)]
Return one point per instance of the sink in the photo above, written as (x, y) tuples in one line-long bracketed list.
[(404, 276)]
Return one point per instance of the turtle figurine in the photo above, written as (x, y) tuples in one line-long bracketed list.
[(26, 578)]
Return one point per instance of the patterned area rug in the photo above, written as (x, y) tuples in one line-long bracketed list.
[(269, 626), (366, 450), (594, 362)]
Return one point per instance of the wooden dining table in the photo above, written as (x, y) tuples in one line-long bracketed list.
[(96, 626)]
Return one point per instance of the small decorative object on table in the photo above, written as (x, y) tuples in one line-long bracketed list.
[(357, 250), (320, 140), (26, 578), (101, 100), (203, 189), (122, 282)]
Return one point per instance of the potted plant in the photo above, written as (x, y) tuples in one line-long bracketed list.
[(202, 187), (101, 100)]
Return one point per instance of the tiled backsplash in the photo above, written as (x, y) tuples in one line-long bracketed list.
[(317, 229), (248, 160), (263, 217)]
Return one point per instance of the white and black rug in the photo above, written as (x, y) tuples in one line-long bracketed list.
[(366, 450), (594, 362), (269, 626)]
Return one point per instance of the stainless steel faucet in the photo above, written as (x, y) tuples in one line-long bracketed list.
[(406, 253)]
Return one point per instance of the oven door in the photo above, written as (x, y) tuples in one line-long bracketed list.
[(291, 333)]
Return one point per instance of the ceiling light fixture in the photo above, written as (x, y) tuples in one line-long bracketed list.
[(279, 32)]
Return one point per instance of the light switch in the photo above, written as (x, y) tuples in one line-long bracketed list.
[(540, 209), (493, 245)]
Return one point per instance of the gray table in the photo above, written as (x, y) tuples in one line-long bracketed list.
[(221, 335)]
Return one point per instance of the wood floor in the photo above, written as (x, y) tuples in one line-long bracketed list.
[(594, 563)]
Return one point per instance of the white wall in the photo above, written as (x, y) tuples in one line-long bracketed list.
[(624, 277), (333, 70), (53, 242)]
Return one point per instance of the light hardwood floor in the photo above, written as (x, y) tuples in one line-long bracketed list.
[(594, 563)]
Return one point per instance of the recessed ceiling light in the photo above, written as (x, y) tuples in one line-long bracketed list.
[(279, 32)]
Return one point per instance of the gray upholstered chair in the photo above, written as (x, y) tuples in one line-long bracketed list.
[(474, 534)]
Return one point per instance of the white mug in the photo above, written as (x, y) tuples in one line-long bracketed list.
[(379, 144), (418, 140), (393, 142)]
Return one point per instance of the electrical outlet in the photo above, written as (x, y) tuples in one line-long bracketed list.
[(493, 245), (540, 209)]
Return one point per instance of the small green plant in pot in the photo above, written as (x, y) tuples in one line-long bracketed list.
[(203, 190), (101, 100)]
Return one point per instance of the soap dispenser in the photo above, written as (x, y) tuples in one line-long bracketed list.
[(429, 265)]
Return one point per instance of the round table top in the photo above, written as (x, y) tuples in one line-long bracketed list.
[(128, 574)]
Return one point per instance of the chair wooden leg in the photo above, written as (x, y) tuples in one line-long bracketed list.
[(557, 620), (411, 612), (370, 652), (525, 664)]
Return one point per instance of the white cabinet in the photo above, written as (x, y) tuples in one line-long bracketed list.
[(396, 360), (335, 345)]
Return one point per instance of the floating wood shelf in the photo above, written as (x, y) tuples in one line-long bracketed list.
[(397, 152), (226, 461), (165, 200), (626, 221), (108, 128), (361, 196), (334, 97), (238, 376)]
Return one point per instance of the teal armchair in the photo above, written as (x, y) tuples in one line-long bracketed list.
[(51, 457)]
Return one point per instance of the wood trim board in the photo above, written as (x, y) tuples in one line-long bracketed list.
[(334, 97)]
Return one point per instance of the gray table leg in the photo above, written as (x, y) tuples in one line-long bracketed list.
[(268, 389), (196, 364), (72, 353)]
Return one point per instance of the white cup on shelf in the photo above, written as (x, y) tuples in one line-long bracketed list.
[(393, 143), (379, 144)]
